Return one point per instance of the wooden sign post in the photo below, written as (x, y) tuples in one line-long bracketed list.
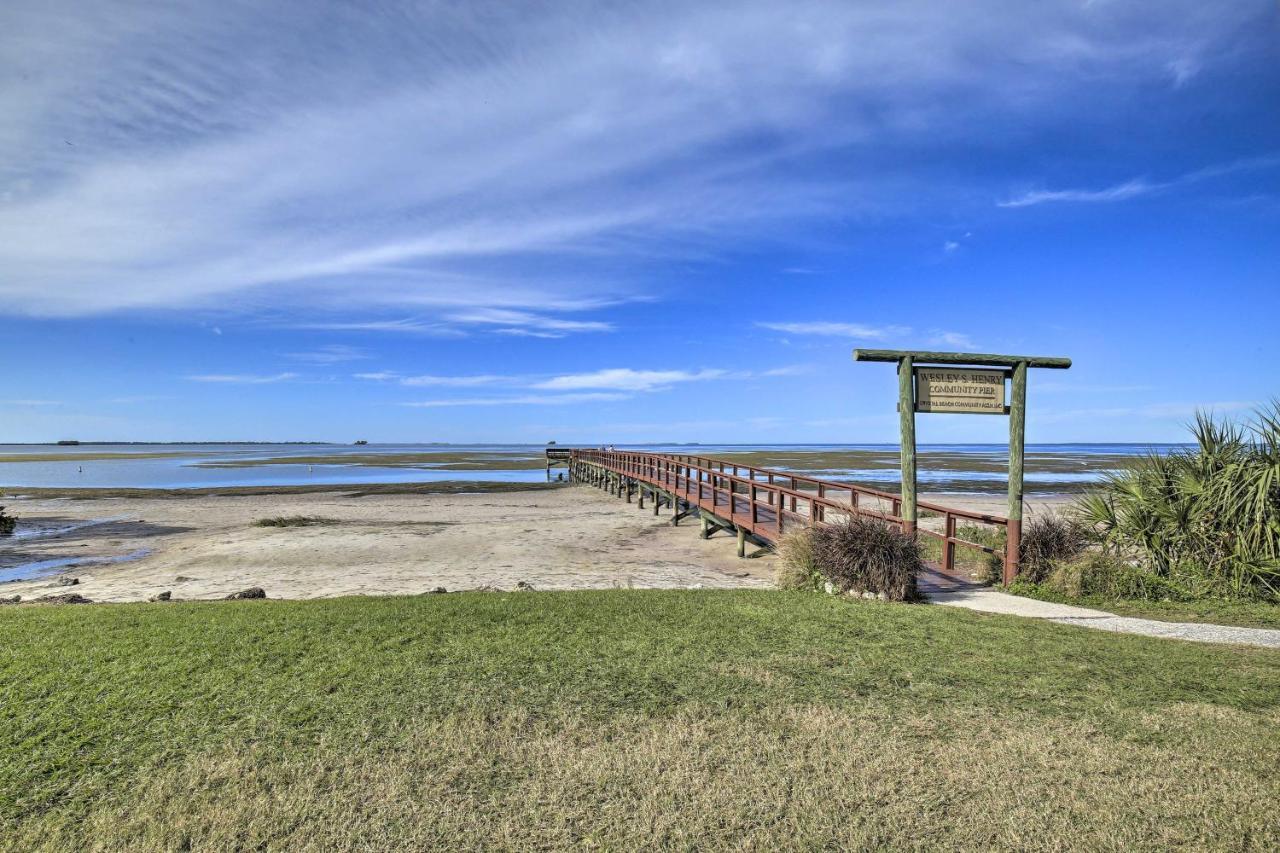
[(953, 382)]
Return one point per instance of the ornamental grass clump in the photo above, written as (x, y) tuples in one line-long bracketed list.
[(1047, 540), (1100, 575), (798, 561), (1205, 519), (864, 555)]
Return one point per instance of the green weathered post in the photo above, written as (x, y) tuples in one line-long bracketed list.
[(907, 423), (1017, 438)]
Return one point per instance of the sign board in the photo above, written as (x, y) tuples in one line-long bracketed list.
[(960, 391)]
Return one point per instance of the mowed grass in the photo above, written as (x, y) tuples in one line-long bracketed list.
[(622, 719)]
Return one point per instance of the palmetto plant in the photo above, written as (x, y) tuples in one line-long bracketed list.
[(1208, 517)]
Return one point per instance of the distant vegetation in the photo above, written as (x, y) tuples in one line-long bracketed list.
[(7, 523), (294, 521)]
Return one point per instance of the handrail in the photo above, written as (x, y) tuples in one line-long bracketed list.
[(679, 472)]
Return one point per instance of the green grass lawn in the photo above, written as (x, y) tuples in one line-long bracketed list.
[(622, 719)]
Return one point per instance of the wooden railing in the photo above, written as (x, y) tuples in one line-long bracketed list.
[(767, 503)]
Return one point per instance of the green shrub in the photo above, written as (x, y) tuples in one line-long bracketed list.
[(1098, 574), (1046, 539), (1049, 539), (797, 561), (7, 523), (1206, 518), (864, 555)]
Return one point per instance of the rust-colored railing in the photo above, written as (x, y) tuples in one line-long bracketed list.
[(767, 503)]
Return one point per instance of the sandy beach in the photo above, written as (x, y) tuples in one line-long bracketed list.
[(208, 546)]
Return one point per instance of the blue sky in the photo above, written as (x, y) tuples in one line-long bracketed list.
[(630, 222)]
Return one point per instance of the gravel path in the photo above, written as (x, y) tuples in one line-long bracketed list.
[(992, 601), (1195, 631)]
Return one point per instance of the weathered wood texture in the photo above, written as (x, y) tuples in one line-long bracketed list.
[(760, 503), (1017, 445), (907, 423), (982, 359)]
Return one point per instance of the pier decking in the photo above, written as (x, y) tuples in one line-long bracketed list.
[(759, 504)]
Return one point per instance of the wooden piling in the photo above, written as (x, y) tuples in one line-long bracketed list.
[(907, 423), (1017, 434)]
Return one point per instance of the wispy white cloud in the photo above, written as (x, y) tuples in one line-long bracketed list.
[(958, 340), (31, 403), (527, 324), (627, 379), (404, 325), (134, 399), (434, 381), (610, 379), (788, 370), (865, 332), (330, 354), (1138, 186), (453, 381), (242, 378), (457, 324), (839, 330), (200, 150), (1119, 192), (522, 400), (1166, 411), (1066, 385)]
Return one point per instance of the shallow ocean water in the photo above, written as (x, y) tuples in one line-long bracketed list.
[(196, 466)]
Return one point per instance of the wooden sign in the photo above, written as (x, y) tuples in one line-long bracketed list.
[(960, 391)]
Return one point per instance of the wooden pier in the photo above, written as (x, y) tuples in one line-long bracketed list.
[(757, 504)]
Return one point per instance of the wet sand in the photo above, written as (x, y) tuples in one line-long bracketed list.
[(377, 544)]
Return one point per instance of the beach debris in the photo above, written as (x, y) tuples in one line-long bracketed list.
[(524, 585), (68, 581), (437, 591), (251, 592), (10, 599), (487, 588), (64, 598), (161, 596), (182, 579)]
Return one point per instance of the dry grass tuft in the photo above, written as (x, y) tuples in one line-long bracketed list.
[(294, 521), (797, 566), (866, 555)]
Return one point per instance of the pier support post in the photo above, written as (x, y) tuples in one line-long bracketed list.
[(742, 542), (705, 533), (1017, 433), (907, 422)]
